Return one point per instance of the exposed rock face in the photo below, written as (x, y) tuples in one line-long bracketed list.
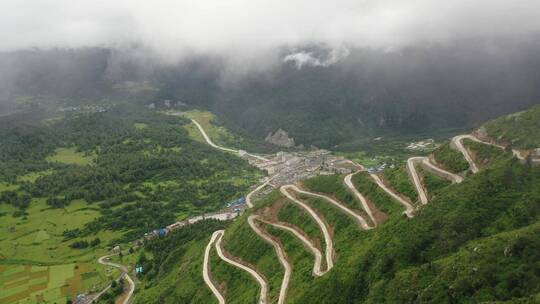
[(280, 138)]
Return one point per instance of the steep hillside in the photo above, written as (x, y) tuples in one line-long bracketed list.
[(520, 130), (354, 239), (477, 238)]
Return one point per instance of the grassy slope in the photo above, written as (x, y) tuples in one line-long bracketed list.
[(238, 285), (379, 197), (399, 179), (422, 256), (295, 215), (484, 154), (301, 260), (450, 159), (241, 241), (333, 185), (434, 184), (519, 129), (456, 217), (221, 135)]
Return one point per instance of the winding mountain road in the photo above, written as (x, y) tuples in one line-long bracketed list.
[(248, 197), (363, 223), (409, 209), (125, 273), (206, 269), (258, 277), (411, 163), (457, 143), (280, 252), (454, 178), (329, 249), (317, 265), (212, 144), (361, 198)]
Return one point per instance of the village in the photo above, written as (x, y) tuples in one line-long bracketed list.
[(284, 168)]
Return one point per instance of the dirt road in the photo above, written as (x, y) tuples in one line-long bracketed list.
[(282, 257), (206, 269)]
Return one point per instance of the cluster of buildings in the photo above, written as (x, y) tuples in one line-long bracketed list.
[(232, 210), (291, 167), (421, 145), (374, 170), (88, 109)]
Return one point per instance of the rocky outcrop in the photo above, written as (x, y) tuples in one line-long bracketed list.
[(280, 138)]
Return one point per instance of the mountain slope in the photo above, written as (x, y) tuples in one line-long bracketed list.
[(475, 241)]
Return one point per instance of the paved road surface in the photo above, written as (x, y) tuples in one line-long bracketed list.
[(409, 209), (248, 197), (457, 143), (339, 205), (282, 257), (211, 143), (329, 250), (206, 270), (264, 286), (454, 178), (360, 197), (103, 260), (317, 265), (411, 162)]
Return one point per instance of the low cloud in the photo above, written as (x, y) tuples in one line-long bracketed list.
[(250, 29)]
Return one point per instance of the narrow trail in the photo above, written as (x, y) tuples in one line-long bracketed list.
[(263, 298), (206, 269), (317, 265), (411, 163), (280, 252), (361, 198), (212, 144), (125, 274), (409, 209), (329, 249)]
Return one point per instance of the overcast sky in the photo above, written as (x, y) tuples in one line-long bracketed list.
[(176, 27)]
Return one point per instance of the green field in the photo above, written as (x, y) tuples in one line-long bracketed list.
[(70, 156), (38, 236), (51, 284)]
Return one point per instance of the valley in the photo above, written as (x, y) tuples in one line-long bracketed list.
[(332, 194)]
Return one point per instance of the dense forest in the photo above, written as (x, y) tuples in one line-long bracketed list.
[(141, 169), (369, 93)]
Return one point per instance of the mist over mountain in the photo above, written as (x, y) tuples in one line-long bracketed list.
[(360, 91)]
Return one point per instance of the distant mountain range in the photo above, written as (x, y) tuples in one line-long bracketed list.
[(319, 95)]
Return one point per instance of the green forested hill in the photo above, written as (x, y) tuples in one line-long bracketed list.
[(519, 129), (475, 242), (140, 170)]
